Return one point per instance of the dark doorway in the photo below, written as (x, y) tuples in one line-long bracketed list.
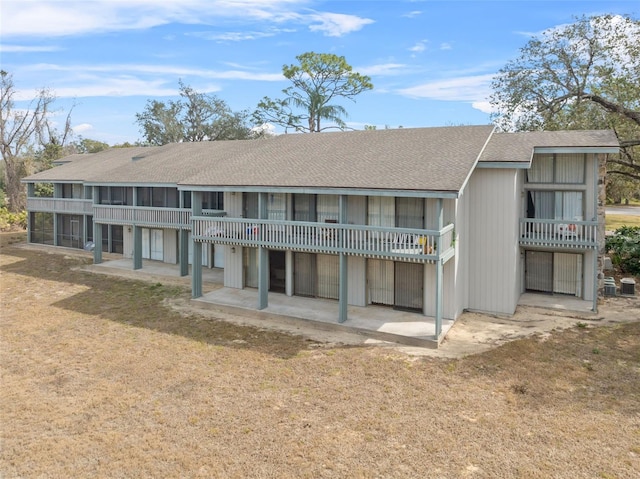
[(277, 274)]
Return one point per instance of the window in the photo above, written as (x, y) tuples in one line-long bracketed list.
[(277, 206), (70, 231), (115, 195), (566, 168), (41, 228), (304, 207), (558, 205), (212, 200), (410, 213), (186, 199)]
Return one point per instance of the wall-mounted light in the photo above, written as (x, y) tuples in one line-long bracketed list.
[(233, 249), (129, 229)]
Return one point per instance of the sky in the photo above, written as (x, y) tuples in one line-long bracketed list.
[(431, 62)]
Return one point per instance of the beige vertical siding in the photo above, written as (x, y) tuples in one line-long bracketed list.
[(127, 242), (233, 204), (460, 262), (233, 271), (357, 210), (494, 256), (357, 281), (589, 199), (233, 268), (448, 290), (170, 246)]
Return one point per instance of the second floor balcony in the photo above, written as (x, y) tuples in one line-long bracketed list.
[(72, 206), (177, 218), (404, 244), (568, 234)]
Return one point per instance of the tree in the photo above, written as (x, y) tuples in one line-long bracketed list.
[(87, 145), (29, 140), (318, 80), (194, 117), (579, 76)]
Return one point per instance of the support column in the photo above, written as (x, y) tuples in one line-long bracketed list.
[(439, 297), (183, 242), (288, 254), (137, 247), (288, 272), (97, 241), (196, 262), (343, 291), (263, 257), (196, 273), (85, 230), (57, 193), (56, 217)]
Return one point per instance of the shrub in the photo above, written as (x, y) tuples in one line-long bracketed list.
[(624, 248), (9, 221)]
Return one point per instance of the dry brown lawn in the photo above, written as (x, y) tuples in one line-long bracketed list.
[(100, 378)]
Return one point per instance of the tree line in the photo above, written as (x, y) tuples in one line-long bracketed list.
[(585, 75)]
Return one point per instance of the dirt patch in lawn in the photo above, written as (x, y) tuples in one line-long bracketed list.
[(102, 378)]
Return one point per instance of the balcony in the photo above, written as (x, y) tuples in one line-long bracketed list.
[(567, 234), (156, 217), (60, 205), (403, 244)]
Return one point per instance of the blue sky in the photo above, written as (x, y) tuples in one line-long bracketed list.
[(431, 62)]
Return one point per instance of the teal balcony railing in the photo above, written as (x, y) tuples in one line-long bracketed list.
[(405, 244), (558, 233), (60, 205)]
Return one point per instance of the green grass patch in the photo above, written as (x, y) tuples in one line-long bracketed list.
[(617, 221)]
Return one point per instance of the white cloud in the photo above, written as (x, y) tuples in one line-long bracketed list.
[(82, 128), (419, 47), (118, 86), (51, 18), (122, 80), (413, 14), (160, 70), (484, 107), (468, 89), (337, 24), (445, 46), (239, 36), (383, 69), (4, 48)]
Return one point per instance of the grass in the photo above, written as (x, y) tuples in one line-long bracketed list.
[(613, 222), (101, 379)]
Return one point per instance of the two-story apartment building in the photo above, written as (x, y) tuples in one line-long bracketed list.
[(433, 220)]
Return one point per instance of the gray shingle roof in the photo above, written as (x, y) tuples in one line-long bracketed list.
[(421, 159), (437, 159), (518, 147), (101, 165)]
